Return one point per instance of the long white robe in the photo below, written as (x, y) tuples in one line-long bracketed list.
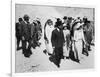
[(48, 31)]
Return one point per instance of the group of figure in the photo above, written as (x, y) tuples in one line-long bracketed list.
[(68, 39), (28, 34)]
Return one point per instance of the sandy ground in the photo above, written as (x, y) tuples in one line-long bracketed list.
[(39, 61)]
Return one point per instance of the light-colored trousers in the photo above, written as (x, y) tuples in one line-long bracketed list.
[(78, 47)]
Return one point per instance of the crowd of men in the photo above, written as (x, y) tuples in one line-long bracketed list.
[(28, 34), (67, 39)]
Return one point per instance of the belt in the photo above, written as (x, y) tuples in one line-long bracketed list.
[(77, 40)]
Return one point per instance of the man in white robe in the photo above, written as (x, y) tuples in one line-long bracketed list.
[(48, 32)]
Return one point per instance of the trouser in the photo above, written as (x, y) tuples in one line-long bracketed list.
[(18, 40), (35, 40), (78, 47), (26, 46), (58, 54)]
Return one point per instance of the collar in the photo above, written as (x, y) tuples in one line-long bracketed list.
[(25, 22), (58, 29)]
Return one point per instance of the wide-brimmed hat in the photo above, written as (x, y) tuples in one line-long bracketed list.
[(79, 25), (78, 20)]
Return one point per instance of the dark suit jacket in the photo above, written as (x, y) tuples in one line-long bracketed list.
[(57, 38), (26, 30), (18, 29)]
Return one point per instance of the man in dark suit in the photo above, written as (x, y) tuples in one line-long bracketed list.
[(57, 40), (26, 36), (18, 32)]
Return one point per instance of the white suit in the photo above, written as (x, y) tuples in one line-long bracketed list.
[(78, 42)]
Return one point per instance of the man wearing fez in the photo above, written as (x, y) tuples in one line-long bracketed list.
[(57, 40)]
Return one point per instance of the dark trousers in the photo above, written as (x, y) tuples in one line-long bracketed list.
[(26, 50), (18, 41), (58, 54)]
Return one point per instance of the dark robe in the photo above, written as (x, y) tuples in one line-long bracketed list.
[(57, 40)]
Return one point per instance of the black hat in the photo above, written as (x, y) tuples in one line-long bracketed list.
[(58, 19), (58, 23), (65, 17)]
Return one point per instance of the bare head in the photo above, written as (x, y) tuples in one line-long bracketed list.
[(26, 18), (20, 19)]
